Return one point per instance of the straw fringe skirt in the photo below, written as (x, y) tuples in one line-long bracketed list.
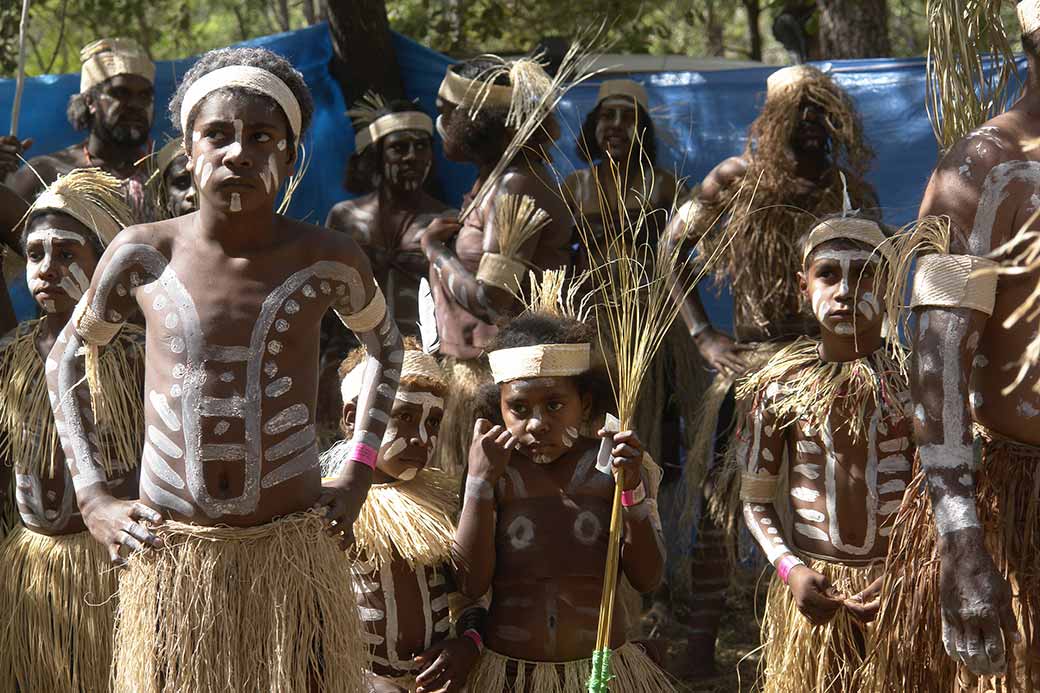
[(633, 670), (266, 608), (466, 377), (799, 657), (1008, 501), (57, 604)]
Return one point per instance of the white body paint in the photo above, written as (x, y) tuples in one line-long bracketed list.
[(236, 202)]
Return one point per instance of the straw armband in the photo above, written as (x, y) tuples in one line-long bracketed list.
[(245, 77), (756, 488), (91, 327), (369, 317), (539, 361), (501, 271), (954, 281)]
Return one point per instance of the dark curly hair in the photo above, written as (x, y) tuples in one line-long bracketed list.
[(531, 329), (78, 110), (364, 168), (589, 150), (251, 57), (483, 138)]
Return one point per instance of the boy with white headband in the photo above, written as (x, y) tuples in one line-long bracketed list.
[(974, 380), (403, 573), (391, 163), (536, 515), (56, 587), (115, 106), (830, 416), (232, 504), (805, 152)]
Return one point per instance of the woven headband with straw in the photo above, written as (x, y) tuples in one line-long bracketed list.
[(416, 364), (245, 77), (540, 361), (620, 88), (90, 196), (390, 123), (463, 91), (107, 58), (850, 228)]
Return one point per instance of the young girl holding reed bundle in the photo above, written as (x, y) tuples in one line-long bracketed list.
[(830, 415), (536, 514)]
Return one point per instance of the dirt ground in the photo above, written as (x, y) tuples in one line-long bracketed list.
[(737, 650)]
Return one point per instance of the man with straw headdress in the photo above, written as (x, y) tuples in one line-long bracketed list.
[(974, 381), (115, 106), (56, 588), (805, 152), (826, 453), (498, 115), (232, 298)]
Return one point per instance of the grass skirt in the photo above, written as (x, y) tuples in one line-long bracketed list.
[(1008, 501), (799, 657), (633, 670), (456, 432), (266, 608), (58, 605)]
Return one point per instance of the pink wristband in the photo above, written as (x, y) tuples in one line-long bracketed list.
[(365, 454), (633, 497), (787, 564), (475, 637)]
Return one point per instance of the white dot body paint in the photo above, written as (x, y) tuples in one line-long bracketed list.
[(1027, 409), (979, 361), (844, 328), (408, 474), (281, 145), (236, 202), (196, 136)]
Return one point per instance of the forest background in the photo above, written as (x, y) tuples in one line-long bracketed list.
[(772, 31)]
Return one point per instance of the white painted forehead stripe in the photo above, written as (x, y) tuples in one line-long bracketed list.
[(49, 234)]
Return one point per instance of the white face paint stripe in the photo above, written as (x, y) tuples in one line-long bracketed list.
[(48, 235), (846, 256)]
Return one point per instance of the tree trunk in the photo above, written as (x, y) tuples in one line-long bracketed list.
[(363, 50), (754, 11), (853, 29)]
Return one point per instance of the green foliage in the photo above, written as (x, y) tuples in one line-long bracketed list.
[(166, 28)]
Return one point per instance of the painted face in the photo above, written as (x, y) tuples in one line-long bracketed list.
[(446, 111), (180, 189), (840, 287), (238, 155), (59, 261), (411, 434), (544, 414), (407, 157), (123, 110), (616, 126), (810, 134)]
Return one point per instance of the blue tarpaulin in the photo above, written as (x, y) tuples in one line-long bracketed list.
[(701, 117)]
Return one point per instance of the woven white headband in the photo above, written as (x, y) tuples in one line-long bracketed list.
[(253, 78)]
